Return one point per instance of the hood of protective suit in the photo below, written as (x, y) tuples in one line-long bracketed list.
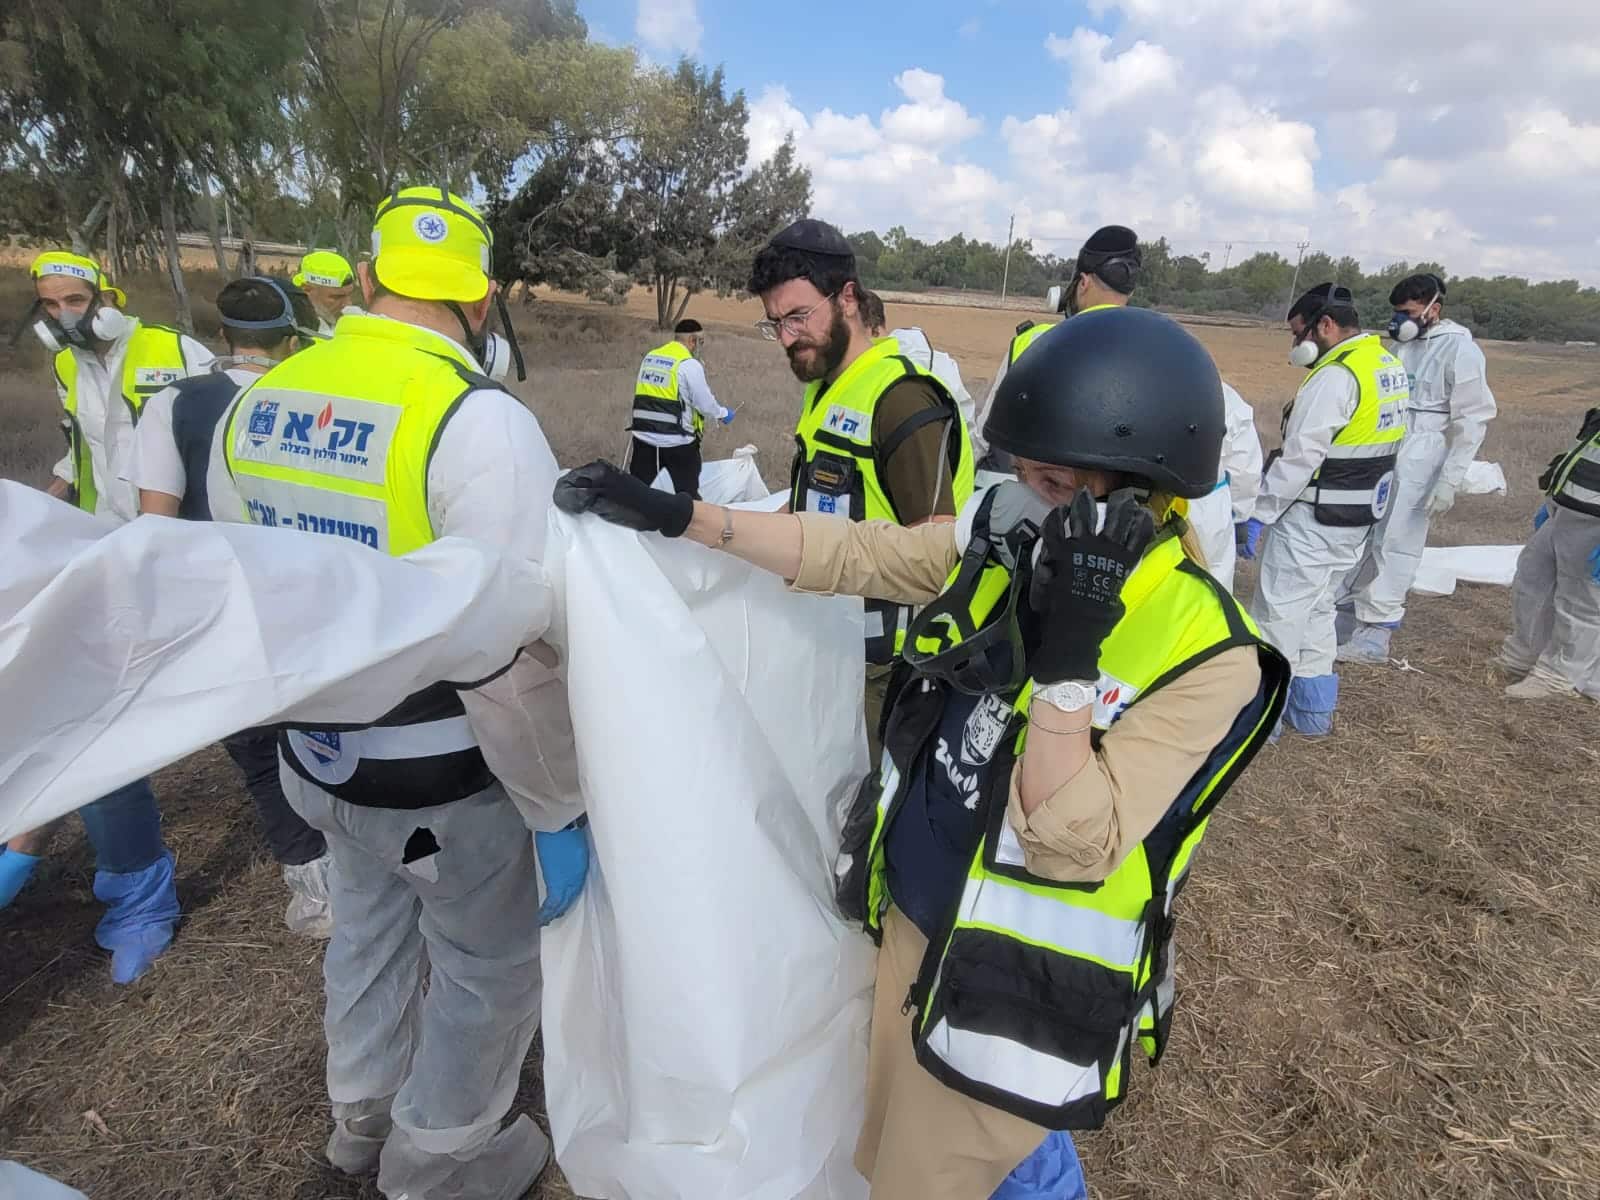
[(913, 344), (1446, 328)]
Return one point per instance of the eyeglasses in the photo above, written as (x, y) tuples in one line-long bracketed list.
[(793, 324)]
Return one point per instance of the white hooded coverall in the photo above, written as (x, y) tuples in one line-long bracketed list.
[(1451, 406), (1303, 560), (1214, 515), (1555, 604), (914, 344)]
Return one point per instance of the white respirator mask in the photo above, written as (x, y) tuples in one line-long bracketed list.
[(496, 357), (100, 322), (1304, 353), (1403, 327)]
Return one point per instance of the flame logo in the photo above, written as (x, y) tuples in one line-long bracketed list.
[(325, 417)]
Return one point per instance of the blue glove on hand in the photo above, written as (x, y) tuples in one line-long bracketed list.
[(1247, 537), (727, 417), (1594, 574), (1540, 517), (564, 863), (15, 870)]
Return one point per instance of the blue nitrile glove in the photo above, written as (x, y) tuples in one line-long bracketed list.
[(564, 863), (16, 868), (1247, 537), (727, 416), (1540, 517), (1594, 570)]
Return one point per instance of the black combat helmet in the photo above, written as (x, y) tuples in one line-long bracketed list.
[(1117, 389)]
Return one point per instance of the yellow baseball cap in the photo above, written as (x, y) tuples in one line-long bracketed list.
[(75, 266), (431, 244), (325, 269)]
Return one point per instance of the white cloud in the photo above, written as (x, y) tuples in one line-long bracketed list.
[(1101, 82), (1254, 159), (669, 26), (929, 118)]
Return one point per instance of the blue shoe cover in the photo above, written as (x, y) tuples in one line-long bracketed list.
[(1052, 1172), (141, 913), (16, 868), (1312, 699)]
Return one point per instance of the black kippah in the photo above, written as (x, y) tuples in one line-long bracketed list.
[(810, 236)]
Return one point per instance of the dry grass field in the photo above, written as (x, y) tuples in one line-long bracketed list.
[(1389, 962)]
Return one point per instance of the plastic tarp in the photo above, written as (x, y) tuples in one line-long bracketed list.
[(1483, 479), (706, 1009), (125, 648), (1445, 566), (727, 480)]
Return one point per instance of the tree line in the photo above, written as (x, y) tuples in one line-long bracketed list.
[(1262, 285), (122, 125)]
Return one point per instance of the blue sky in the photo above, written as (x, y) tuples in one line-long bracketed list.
[(1369, 128)]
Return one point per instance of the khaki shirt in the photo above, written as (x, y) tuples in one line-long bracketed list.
[(1084, 830)]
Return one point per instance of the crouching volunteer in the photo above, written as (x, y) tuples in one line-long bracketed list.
[(388, 434), (1072, 704)]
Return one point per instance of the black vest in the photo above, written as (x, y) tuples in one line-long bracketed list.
[(200, 403)]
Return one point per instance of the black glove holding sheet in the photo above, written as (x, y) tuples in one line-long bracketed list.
[(619, 498), (1077, 587)]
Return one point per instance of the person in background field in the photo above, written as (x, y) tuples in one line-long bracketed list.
[(1057, 741), (914, 344), (1104, 276), (263, 321), (880, 437), (435, 873), (671, 401), (1323, 492), (1554, 645), (327, 279), (107, 366), (1215, 515), (1451, 407)]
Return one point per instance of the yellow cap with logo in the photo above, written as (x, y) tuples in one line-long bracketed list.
[(75, 266), (431, 244), (324, 268)]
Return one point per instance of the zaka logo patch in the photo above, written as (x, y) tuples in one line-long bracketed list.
[(1112, 696)]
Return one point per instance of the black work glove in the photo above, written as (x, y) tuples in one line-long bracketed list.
[(1077, 586), (618, 497)]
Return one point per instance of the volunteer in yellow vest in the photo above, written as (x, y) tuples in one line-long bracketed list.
[(1064, 728), (107, 365), (1324, 491), (388, 434), (1104, 276), (671, 402), (880, 437), (326, 278)]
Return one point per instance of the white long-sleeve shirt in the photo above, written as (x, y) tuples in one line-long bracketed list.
[(1241, 453), (154, 464), (695, 393), (1324, 405), (914, 344), (491, 479), (108, 425), (1449, 381)]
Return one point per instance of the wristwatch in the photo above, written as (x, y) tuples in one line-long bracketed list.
[(1069, 695)]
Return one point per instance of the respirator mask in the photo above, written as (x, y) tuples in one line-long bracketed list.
[(99, 322), (1403, 327)]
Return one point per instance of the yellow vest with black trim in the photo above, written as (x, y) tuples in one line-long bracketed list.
[(1572, 480), (336, 440), (1355, 483), (153, 360), (836, 461), (658, 405), (1030, 334), (1034, 996)]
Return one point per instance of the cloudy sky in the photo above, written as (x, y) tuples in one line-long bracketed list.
[(1467, 132)]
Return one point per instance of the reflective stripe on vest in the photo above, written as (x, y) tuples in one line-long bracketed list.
[(836, 468), (152, 360), (1575, 479), (1355, 483), (336, 440), (1034, 997), (658, 404)]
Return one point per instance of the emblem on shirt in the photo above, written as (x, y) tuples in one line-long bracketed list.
[(1112, 695), (263, 420), (846, 421), (984, 729)]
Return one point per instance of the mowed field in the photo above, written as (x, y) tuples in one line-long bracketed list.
[(1388, 953)]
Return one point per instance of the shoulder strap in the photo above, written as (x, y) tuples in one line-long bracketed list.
[(1024, 326)]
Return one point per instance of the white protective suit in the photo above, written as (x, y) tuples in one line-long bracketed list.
[(108, 425), (1303, 560), (1451, 406), (444, 1063), (1214, 515), (1555, 605), (914, 344)]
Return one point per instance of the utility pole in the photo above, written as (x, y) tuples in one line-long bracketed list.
[(1005, 278), (1227, 253), (1302, 247)]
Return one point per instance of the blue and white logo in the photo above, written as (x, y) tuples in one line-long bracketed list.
[(331, 758), (263, 420), (431, 227)]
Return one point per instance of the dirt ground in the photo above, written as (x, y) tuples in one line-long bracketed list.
[(1388, 955)]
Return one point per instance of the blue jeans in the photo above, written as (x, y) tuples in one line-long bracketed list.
[(124, 827)]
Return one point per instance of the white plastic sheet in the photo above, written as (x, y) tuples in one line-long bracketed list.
[(1483, 479), (124, 648), (1445, 566), (726, 480), (705, 1008)]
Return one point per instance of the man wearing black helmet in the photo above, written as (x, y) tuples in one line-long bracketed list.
[(1077, 696), (1324, 491), (1103, 277)]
